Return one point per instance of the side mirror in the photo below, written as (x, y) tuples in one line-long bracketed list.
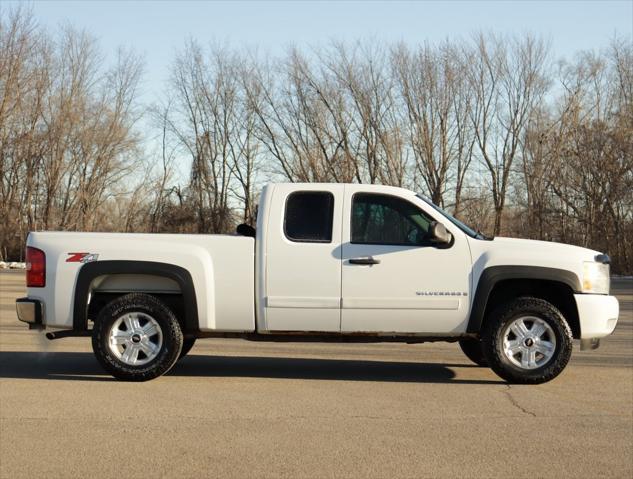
[(439, 234)]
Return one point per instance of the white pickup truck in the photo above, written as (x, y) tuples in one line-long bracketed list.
[(327, 262)]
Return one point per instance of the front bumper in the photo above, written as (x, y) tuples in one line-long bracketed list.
[(598, 315), (29, 311)]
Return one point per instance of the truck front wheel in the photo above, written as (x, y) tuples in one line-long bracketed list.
[(136, 337), (527, 341)]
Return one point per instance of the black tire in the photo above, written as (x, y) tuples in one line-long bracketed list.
[(473, 349), (187, 344), (143, 306), (498, 325)]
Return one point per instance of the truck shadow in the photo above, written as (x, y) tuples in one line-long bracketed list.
[(84, 367)]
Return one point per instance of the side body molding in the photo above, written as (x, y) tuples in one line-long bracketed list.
[(494, 274), (90, 271)]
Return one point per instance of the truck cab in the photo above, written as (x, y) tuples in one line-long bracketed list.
[(328, 262), (335, 258)]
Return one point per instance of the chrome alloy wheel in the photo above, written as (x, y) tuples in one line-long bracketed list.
[(135, 338), (529, 342)]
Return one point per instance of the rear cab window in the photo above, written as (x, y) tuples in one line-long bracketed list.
[(308, 217)]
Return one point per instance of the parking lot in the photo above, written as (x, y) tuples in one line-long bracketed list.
[(239, 409)]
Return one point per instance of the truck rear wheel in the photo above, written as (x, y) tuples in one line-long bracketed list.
[(527, 341), (473, 349), (136, 337)]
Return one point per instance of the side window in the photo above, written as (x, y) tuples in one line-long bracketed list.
[(384, 219), (309, 216)]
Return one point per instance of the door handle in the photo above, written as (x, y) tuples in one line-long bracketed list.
[(365, 261)]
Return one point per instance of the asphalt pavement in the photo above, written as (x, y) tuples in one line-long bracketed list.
[(240, 409)]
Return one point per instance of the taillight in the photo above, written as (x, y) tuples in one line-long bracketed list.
[(35, 268)]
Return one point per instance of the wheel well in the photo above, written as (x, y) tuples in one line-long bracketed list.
[(178, 293), (557, 293)]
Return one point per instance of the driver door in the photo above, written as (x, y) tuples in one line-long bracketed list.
[(394, 279)]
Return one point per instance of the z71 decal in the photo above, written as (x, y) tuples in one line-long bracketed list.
[(81, 257)]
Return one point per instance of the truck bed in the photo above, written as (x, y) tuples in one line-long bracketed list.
[(221, 266)]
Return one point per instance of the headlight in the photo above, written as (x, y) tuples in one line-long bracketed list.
[(595, 278)]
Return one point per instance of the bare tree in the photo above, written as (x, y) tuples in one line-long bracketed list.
[(203, 123), (595, 180), (66, 128), (245, 149), (298, 120), (214, 120), (437, 104), (375, 140), (508, 78)]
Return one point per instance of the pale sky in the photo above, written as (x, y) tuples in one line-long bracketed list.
[(158, 29)]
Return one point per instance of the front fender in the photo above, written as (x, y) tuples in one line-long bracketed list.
[(492, 275)]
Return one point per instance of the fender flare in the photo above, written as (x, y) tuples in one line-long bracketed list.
[(90, 271), (494, 274)]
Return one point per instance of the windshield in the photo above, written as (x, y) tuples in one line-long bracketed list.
[(465, 228)]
